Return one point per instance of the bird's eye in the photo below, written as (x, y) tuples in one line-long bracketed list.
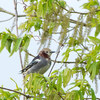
[(46, 51)]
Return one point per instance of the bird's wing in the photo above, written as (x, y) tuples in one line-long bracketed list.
[(33, 62), (40, 67)]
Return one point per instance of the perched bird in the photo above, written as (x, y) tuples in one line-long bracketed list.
[(40, 64)]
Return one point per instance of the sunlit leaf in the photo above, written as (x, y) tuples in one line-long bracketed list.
[(97, 30), (93, 94), (94, 39), (59, 82), (67, 73), (15, 83), (3, 42), (66, 54), (62, 3), (92, 70), (16, 45), (8, 45), (26, 41)]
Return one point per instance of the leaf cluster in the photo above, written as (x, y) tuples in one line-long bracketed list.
[(12, 43)]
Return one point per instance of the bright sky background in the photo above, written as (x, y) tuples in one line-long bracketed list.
[(10, 66)]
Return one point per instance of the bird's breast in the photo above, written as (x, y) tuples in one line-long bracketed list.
[(44, 69)]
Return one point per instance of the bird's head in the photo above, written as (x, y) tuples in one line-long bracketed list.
[(46, 53)]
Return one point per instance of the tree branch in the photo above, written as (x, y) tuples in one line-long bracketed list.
[(71, 20), (68, 62), (75, 22), (7, 19), (27, 96), (16, 19), (7, 12), (91, 98), (97, 10), (10, 13)]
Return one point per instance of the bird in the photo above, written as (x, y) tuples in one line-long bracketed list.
[(40, 64)]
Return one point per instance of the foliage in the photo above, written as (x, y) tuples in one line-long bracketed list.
[(54, 18), (8, 39), (7, 95)]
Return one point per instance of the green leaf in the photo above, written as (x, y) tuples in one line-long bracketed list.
[(44, 86), (52, 26), (56, 97), (73, 95), (26, 0), (14, 82), (44, 7), (8, 31), (59, 82), (26, 41), (97, 30), (94, 39), (92, 70), (8, 45), (66, 54), (90, 4), (81, 95), (93, 94), (37, 24), (39, 9), (62, 3), (54, 72), (3, 42), (50, 2), (16, 45), (67, 73)]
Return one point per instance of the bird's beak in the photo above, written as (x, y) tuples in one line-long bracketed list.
[(52, 51)]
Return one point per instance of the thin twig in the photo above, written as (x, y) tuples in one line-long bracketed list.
[(54, 61), (60, 96), (7, 19), (29, 53), (91, 98), (16, 19), (16, 16), (7, 12)]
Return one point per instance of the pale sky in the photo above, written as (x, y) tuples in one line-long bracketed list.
[(10, 66)]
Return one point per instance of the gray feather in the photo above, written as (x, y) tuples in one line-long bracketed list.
[(41, 67)]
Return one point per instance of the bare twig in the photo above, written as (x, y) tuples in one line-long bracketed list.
[(7, 12), (24, 4), (16, 16), (55, 60), (29, 53), (10, 13), (7, 19), (16, 19)]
